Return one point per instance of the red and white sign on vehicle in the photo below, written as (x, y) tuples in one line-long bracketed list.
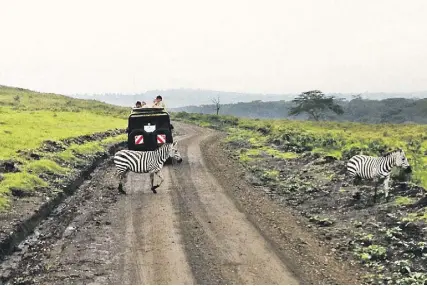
[(139, 139), (161, 138)]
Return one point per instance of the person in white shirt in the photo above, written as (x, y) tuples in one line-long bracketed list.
[(158, 102)]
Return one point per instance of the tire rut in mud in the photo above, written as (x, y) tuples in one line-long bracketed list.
[(199, 248), (231, 246), (154, 252), (69, 239)]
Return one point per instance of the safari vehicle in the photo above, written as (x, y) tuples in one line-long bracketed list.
[(148, 128)]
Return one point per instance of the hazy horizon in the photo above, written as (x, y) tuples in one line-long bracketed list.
[(268, 47)]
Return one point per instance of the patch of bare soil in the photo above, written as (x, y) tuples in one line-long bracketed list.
[(304, 253), (222, 245), (77, 242), (387, 239), (29, 208)]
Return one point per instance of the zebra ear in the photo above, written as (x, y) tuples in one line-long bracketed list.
[(174, 143)]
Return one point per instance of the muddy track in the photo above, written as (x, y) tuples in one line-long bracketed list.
[(205, 225)]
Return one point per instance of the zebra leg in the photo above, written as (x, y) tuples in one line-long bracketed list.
[(153, 188), (375, 192), (160, 175), (122, 178), (386, 186)]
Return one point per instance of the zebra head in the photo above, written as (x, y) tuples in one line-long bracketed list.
[(174, 153), (401, 160)]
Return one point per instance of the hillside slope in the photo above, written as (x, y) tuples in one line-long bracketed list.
[(20, 99), (182, 97), (29, 120)]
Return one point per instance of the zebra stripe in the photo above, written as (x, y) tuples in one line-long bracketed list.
[(369, 167), (141, 162), (145, 162)]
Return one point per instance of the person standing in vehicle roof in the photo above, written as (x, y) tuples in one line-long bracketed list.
[(158, 102), (139, 104)]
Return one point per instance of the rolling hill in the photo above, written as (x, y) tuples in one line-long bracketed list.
[(29, 120), (178, 98)]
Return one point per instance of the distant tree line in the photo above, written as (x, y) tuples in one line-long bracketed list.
[(314, 105)]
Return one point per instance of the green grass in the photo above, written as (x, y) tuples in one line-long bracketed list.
[(402, 201), (279, 154), (88, 148), (28, 129), (271, 175), (44, 166), (115, 139), (257, 152), (28, 118), (67, 156), (372, 252), (249, 155), (23, 181), (27, 100), (28, 180), (337, 139), (421, 215)]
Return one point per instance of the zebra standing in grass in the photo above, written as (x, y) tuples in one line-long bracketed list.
[(377, 168), (145, 162)]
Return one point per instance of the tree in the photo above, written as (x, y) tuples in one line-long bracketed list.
[(357, 96), (316, 104), (217, 104)]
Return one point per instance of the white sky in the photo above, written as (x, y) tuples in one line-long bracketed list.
[(232, 45)]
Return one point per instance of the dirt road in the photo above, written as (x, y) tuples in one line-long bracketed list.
[(204, 226)]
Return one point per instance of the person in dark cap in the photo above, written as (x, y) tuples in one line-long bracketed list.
[(158, 102), (139, 104)]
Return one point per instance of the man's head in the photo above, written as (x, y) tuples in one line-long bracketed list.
[(159, 98), (138, 104)]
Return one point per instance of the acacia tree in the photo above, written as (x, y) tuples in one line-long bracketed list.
[(217, 104), (316, 104)]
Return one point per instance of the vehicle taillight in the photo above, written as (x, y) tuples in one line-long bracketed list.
[(161, 138), (139, 139)]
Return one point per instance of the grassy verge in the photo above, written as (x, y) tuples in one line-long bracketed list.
[(49, 168), (336, 139), (302, 165), (35, 144), (28, 129)]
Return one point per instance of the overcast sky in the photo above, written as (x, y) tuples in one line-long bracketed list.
[(262, 46)]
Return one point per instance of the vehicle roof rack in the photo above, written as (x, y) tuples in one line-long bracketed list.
[(143, 110)]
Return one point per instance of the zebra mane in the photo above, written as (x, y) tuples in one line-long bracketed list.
[(392, 152), (166, 146)]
